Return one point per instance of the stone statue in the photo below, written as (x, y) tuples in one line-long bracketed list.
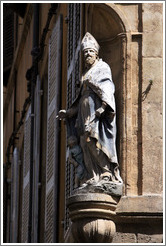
[(92, 119)]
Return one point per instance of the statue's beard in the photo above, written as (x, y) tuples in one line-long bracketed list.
[(89, 61)]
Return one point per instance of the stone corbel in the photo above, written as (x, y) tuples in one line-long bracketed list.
[(92, 216)]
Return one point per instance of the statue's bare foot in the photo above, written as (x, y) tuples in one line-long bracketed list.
[(90, 181), (105, 176)]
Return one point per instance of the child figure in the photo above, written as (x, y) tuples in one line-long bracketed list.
[(76, 158)]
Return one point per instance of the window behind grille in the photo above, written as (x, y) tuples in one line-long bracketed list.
[(73, 78), (52, 158), (8, 41)]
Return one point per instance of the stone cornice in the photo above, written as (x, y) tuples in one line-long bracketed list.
[(140, 209)]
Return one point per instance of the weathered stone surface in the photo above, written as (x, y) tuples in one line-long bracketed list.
[(152, 115), (152, 17), (140, 204), (124, 238), (92, 217), (97, 197), (132, 18), (144, 238), (138, 232), (153, 166), (152, 45), (120, 237), (93, 231), (152, 27), (155, 91), (152, 126), (109, 188), (90, 205)]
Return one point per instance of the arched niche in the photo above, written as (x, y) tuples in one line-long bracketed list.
[(105, 24)]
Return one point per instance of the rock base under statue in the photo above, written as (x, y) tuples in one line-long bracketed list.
[(92, 216), (110, 188)]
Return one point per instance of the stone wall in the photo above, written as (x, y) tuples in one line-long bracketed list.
[(152, 118), (144, 173), (138, 233)]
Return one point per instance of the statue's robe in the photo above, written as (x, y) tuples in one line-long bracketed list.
[(97, 134)]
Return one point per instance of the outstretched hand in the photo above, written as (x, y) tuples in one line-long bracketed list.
[(62, 115)]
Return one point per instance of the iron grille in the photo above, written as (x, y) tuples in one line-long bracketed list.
[(73, 75), (8, 37), (52, 162)]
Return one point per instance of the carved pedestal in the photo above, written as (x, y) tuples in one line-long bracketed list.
[(92, 217)]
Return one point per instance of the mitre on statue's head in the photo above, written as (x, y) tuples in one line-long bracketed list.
[(89, 42)]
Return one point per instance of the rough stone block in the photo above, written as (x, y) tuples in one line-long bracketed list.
[(152, 166), (152, 70), (143, 238), (127, 9), (152, 44), (152, 119), (124, 238), (152, 125), (140, 204), (152, 17)]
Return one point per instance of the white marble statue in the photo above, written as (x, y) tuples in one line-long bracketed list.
[(93, 115)]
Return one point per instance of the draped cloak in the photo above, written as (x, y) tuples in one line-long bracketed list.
[(100, 152)]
